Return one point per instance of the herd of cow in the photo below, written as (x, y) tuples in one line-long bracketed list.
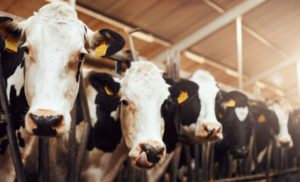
[(141, 114)]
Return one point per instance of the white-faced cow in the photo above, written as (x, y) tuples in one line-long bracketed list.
[(54, 41), (127, 121)]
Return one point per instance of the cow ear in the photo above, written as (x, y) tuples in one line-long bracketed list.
[(183, 91), (105, 83), (12, 32), (104, 42)]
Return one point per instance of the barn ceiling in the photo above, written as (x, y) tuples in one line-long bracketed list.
[(271, 36)]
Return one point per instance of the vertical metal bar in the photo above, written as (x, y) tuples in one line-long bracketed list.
[(131, 44), (197, 161), (298, 78), (188, 158), (14, 148), (211, 162), (72, 145), (175, 163), (87, 119), (239, 44), (43, 159)]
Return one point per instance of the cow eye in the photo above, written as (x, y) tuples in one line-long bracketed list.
[(26, 50), (81, 56), (124, 103)]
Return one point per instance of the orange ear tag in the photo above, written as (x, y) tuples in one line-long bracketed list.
[(261, 118), (11, 45), (108, 91)]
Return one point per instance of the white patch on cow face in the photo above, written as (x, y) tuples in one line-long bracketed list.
[(144, 91), (55, 40), (241, 113), (16, 80), (284, 136), (207, 92)]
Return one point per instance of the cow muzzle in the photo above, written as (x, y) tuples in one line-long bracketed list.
[(209, 131), (147, 155), (284, 142), (44, 123)]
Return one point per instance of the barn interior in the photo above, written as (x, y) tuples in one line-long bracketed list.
[(247, 45)]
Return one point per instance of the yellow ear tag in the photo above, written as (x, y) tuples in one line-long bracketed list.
[(101, 49), (11, 45), (108, 91), (183, 96), (230, 103), (220, 116), (261, 118)]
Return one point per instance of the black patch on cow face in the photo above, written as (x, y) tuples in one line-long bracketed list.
[(176, 114), (106, 134), (238, 140), (8, 29)]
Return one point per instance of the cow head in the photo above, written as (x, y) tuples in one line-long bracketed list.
[(55, 42), (234, 114), (143, 91), (282, 112), (207, 127)]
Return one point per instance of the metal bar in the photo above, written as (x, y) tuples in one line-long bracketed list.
[(239, 47), (43, 159), (131, 44), (211, 27), (249, 30), (87, 119), (188, 158), (298, 78), (282, 64), (197, 161), (211, 161), (175, 163), (14, 148), (260, 176), (72, 145)]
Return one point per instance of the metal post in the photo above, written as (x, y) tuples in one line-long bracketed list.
[(131, 43), (14, 148), (43, 159), (239, 46), (72, 145), (197, 160), (87, 119), (188, 158)]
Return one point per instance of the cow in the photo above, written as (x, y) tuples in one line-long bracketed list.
[(45, 74), (293, 127), (190, 115), (234, 113), (271, 123), (127, 120)]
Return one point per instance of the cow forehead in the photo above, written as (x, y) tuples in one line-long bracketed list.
[(55, 24), (143, 80)]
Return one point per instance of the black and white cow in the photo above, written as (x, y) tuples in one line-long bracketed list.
[(236, 118), (271, 123), (55, 42), (127, 120), (293, 126), (45, 73), (190, 115)]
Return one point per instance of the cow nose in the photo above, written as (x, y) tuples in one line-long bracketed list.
[(285, 144), (45, 125), (154, 154), (240, 152), (210, 131)]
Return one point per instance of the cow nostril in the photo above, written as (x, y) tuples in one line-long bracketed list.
[(53, 121), (153, 154)]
